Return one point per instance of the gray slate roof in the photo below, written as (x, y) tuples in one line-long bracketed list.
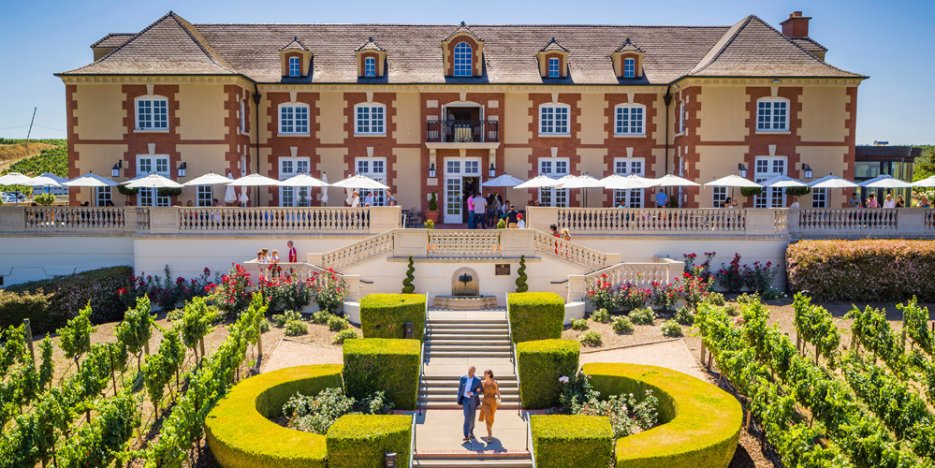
[(749, 48)]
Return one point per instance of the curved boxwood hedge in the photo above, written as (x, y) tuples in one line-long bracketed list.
[(239, 430), (572, 441), (362, 440), (390, 365), (535, 315), (700, 422), (383, 315), (541, 363)]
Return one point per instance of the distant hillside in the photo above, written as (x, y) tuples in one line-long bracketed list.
[(41, 156)]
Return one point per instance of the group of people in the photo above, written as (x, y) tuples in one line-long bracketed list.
[(370, 199), (271, 257), (486, 212), (889, 201), (474, 393)]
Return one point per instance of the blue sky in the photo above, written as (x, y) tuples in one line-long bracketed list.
[(889, 41)]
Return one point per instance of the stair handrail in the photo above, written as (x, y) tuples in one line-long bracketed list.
[(415, 417)]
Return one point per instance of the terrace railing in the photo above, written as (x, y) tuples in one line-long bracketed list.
[(316, 219), (650, 220), (358, 251), (75, 218), (463, 244), (847, 219), (567, 250)]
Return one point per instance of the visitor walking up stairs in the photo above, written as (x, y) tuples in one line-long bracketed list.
[(455, 340)]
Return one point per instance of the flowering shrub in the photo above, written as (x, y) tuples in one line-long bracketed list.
[(329, 290), (627, 413), (760, 277), (232, 293), (165, 291), (695, 288), (730, 276), (704, 269), (284, 293), (603, 295), (665, 296), (600, 291), (631, 297)]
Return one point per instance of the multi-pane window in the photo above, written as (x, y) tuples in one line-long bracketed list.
[(819, 198), (374, 168), (294, 196), (765, 168), (632, 198), (243, 117), (152, 113), (772, 115), (554, 71), (370, 119), (149, 164), (554, 168), (103, 196), (370, 67), (204, 195), (629, 68), (718, 196), (464, 59), (295, 67), (682, 117), (293, 119), (630, 120), (553, 119)]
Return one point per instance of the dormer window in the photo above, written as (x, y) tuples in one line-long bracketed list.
[(371, 60), (554, 70), (295, 67), (370, 67), (628, 61), (464, 59), (296, 59), (463, 53), (629, 67), (553, 59), (152, 113)]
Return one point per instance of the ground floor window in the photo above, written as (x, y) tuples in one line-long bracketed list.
[(152, 164), (626, 166), (374, 168), (103, 196), (819, 198), (294, 196), (718, 196), (204, 195), (765, 168), (554, 168)]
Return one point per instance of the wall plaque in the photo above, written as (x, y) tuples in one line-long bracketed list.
[(502, 269)]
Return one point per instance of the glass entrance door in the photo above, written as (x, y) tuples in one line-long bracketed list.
[(459, 173)]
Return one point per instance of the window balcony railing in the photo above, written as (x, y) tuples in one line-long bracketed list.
[(462, 131)]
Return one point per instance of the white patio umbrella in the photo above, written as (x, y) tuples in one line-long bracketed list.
[(360, 182), (885, 182), (583, 182), (628, 182), (254, 180), (733, 180), (831, 182), (783, 181), (15, 178), (209, 179), (324, 191), (90, 180), (43, 181), (540, 181), (230, 193), (302, 180), (503, 180), (154, 181), (670, 180), (926, 182)]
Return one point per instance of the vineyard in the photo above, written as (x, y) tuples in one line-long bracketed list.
[(125, 402), (42, 156), (819, 402)]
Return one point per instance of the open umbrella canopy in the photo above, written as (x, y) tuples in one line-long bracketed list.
[(831, 182), (540, 181), (503, 180), (360, 182), (15, 178), (44, 181), (670, 180), (155, 181), (885, 182), (302, 180), (926, 182), (783, 181), (733, 180), (628, 182), (209, 179), (254, 180), (576, 182), (90, 180)]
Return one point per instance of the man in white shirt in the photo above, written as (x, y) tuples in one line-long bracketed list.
[(480, 210)]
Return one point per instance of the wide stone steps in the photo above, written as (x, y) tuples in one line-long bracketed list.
[(514, 460), (467, 342), (433, 348)]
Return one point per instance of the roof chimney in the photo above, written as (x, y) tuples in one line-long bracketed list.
[(796, 26)]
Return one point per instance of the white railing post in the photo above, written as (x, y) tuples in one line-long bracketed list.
[(910, 221)]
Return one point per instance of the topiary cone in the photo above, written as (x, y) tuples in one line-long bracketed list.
[(521, 285), (408, 287)]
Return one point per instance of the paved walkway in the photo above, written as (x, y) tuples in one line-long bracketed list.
[(670, 354), (441, 431), (293, 353)]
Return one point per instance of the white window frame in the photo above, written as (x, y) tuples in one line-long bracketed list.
[(555, 119), (770, 197), (294, 196), (772, 115), (555, 168), (243, 117), (102, 195), (624, 122), (718, 196), (204, 195), (295, 66), (463, 65), (681, 117), (556, 71), (370, 67), (152, 113), (626, 166), (819, 198), (370, 119), (147, 164), (374, 168), (291, 124), (629, 67)]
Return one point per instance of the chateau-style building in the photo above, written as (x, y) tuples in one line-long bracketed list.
[(442, 108)]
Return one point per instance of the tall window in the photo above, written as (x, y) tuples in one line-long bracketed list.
[(150, 164), (629, 68), (554, 168), (243, 117), (295, 67), (681, 116), (765, 168), (293, 119), (819, 198), (630, 120), (772, 115), (152, 113), (554, 71), (204, 196), (632, 198), (370, 67), (294, 196), (370, 119), (374, 168), (464, 59), (718, 196), (103, 196), (553, 119)]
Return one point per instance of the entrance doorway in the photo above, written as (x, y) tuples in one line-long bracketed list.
[(462, 176)]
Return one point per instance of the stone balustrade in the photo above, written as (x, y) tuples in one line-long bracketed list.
[(76, 218), (661, 270)]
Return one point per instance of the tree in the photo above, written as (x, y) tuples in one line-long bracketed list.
[(521, 285), (196, 323), (924, 165), (408, 287), (137, 328), (76, 334)]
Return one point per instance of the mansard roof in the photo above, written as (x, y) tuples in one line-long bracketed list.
[(750, 48), (295, 44), (553, 45), (369, 45), (629, 46)]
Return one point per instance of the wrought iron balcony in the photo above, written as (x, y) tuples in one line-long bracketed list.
[(462, 131)]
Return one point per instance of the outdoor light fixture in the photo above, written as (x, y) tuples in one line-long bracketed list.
[(432, 171), (115, 171), (182, 168), (389, 460), (493, 170), (742, 170), (808, 171)]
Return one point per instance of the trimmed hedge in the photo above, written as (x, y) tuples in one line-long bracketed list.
[(390, 365), (572, 441), (535, 315), (14, 307), (362, 440), (700, 423), (71, 293), (862, 270), (239, 430), (541, 363), (383, 315)]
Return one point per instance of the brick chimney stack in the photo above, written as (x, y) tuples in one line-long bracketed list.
[(796, 26)]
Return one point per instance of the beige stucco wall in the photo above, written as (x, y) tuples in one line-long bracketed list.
[(331, 161), (98, 159), (718, 161), (592, 162), (100, 111), (30, 258), (592, 118), (517, 165), (200, 160), (825, 160), (723, 113), (824, 112), (330, 117), (201, 112), (408, 119), (407, 177), (516, 113)]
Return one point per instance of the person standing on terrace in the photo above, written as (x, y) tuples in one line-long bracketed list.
[(293, 254), (661, 198)]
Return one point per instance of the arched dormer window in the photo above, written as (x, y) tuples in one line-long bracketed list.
[(553, 60), (772, 115), (293, 119), (370, 119), (628, 60), (463, 59), (629, 119), (152, 113), (371, 60), (295, 59), (295, 67)]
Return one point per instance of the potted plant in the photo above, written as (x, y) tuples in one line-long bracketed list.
[(431, 214)]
